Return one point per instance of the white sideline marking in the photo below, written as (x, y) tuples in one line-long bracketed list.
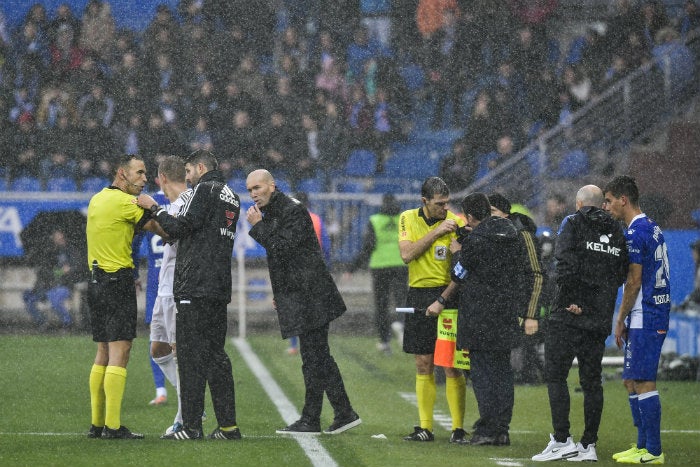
[(312, 447)]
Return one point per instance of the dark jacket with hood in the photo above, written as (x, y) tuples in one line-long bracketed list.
[(205, 229), (303, 289), (494, 271), (591, 264)]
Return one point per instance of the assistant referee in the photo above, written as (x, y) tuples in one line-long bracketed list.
[(425, 235), (113, 217)]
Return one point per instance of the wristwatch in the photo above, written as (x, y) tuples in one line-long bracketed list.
[(154, 209), (440, 300)]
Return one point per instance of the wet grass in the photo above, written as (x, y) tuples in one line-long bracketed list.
[(44, 412)]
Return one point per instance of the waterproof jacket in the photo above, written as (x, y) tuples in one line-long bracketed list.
[(591, 264), (495, 273), (303, 289), (205, 229)]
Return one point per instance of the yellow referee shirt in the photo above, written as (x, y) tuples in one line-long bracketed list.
[(432, 268), (111, 220)]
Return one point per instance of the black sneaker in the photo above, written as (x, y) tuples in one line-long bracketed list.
[(502, 440), (95, 432), (341, 424), (221, 434), (459, 436), (301, 427), (481, 440), (420, 434), (121, 433), (183, 435)]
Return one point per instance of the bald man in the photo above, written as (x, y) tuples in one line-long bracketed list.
[(305, 297), (591, 257)]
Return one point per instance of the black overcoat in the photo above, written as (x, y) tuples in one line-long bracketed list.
[(303, 289)]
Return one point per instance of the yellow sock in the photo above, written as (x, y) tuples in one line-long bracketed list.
[(455, 391), (229, 428), (97, 395), (425, 394), (115, 382)]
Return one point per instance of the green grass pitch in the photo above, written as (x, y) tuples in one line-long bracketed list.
[(45, 411)]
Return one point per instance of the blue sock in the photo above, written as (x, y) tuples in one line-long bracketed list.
[(637, 420), (650, 411), (158, 376)]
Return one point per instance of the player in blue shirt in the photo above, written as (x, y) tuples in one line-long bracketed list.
[(154, 255), (642, 321)]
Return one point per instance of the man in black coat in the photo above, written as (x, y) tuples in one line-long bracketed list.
[(205, 229), (305, 297), (591, 256), (495, 275)]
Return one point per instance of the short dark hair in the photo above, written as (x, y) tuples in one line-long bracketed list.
[(124, 160), (500, 202), (623, 185), (173, 167), (201, 156), (433, 186), (477, 204)]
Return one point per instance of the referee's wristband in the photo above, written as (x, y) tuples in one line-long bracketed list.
[(440, 300)]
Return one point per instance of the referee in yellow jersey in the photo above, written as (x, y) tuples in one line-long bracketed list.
[(425, 235), (113, 216)]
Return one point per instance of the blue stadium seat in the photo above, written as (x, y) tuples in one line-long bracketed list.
[(389, 185), (237, 185), (26, 184), (62, 184), (310, 185), (361, 163), (351, 186), (3, 184), (93, 184), (283, 185)]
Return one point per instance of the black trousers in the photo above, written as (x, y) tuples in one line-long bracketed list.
[(492, 380), (562, 344), (201, 334), (321, 374), (388, 284)]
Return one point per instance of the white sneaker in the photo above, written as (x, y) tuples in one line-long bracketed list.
[(584, 454), (556, 451)]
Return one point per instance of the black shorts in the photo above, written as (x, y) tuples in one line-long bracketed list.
[(420, 331), (112, 304)]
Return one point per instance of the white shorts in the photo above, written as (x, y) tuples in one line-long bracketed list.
[(163, 320)]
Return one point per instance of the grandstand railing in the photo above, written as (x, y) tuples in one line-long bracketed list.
[(603, 130)]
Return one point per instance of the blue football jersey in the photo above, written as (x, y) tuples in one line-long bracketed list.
[(154, 255), (647, 247)]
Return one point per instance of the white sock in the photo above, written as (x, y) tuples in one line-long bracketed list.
[(161, 391), (169, 366)]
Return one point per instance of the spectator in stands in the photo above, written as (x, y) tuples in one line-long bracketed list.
[(654, 19), (459, 167), (234, 100), (484, 127), (162, 75), (23, 104), (62, 138), (128, 100), (25, 146), (130, 136), (31, 58), (333, 140), (359, 51), (58, 268), (163, 36), (55, 101), (64, 19), (57, 164), (359, 118), (674, 58), (542, 102), (96, 105), (97, 31), (161, 140), (248, 77), (331, 79), (443, 71), (281, 144), (324, 51), (205, 103), (578, 87), (66, 55), (489, 162), (238, 144), (690, 20), (198, 50), (292, 44), (200, 138), (376, 17), (430, 15), (306, 164), (97, 148)]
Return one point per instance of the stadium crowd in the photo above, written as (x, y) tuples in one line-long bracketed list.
[(295, 86)]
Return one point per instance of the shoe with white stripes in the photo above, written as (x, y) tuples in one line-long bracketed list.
[(183, 435), (586, 454), (420, 434), (229, 435)]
